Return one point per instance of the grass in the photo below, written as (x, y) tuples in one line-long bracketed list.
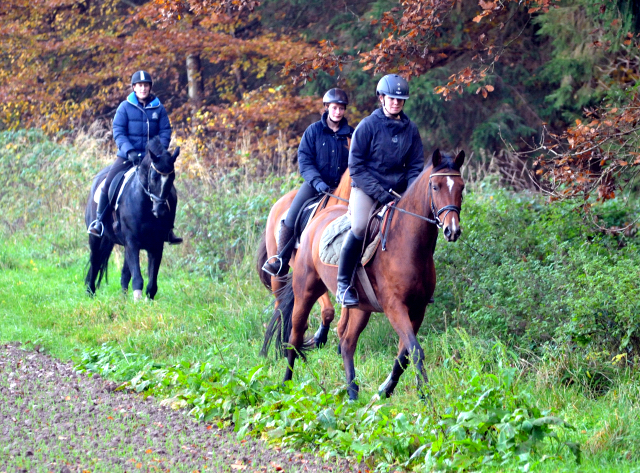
[(196, 345)]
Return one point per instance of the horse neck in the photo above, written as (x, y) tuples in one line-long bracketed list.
[(415, 232), (343, 190)]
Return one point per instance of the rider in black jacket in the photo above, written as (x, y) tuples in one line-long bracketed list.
[(322, 158), (386, 155)]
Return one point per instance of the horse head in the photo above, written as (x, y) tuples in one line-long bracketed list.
[(158, 167), (445, 191)]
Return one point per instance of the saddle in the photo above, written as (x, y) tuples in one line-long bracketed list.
[(310, 208), (334, 234), (115, 189)]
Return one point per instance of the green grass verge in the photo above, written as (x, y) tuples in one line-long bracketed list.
[(533, 400)]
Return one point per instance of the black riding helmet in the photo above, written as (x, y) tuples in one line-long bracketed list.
[(338, 96), (141, 76), (394, 86)]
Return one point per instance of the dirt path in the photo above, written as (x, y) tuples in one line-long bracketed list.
[(55, 420)]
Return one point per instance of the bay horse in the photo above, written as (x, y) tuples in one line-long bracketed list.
[(403, 276), (144, 216), (269, 246)]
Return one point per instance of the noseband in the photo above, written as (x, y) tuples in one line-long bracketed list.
[(154, 198)]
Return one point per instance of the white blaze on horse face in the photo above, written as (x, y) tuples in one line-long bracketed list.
[(450, 183)]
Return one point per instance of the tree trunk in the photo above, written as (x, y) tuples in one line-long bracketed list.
[(194, 77)]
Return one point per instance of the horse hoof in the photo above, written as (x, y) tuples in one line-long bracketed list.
[(137, 295), (320, 337), (386, 389)]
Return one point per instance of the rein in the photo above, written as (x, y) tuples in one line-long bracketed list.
[(434, 211)]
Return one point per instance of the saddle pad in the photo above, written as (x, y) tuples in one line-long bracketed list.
[(127, 176), (333, 237)]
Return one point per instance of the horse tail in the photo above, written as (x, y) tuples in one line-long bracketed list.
[(280, 323), (100, 261), (261, 259)]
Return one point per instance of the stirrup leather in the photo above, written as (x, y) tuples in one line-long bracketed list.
[(95, 225)]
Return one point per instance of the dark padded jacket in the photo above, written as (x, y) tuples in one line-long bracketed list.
[(134, 125), (323, 153), (385, 154)]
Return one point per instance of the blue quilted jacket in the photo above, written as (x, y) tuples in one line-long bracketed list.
[(134, 125)]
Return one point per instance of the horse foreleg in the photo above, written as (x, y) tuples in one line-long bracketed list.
[(358, 320), (132, 256), (407, 329), (328, 314), (399, 366), (155, 258)]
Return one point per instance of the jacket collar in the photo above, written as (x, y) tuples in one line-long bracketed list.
[(390, 122), (155, 102), (344, 125)]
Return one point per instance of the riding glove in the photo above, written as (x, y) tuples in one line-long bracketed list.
[(385, 197), (322, 187), (134, 157)]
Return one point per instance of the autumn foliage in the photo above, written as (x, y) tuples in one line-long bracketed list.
[(232, 85)]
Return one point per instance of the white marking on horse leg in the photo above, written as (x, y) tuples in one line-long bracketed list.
[(137, 295), (450, 183)]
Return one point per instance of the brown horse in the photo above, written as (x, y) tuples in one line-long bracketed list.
[(403, 276), (269, 246)]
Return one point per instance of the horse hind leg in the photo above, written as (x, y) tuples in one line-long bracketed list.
[(306, 294), (328, 313), (125, 277), (357, 321)]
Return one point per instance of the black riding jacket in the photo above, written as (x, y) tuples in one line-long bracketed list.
[(323, 153), (385, 154)]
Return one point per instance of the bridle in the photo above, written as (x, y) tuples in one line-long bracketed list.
[(447, 208), (154, 198)]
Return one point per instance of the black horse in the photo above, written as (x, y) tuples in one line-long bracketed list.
[(145, 215)]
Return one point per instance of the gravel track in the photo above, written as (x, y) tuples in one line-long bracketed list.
[(55, 420)]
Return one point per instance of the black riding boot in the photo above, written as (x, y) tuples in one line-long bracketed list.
[(346, 294), (278, 265), (173, 239), (96, 228)]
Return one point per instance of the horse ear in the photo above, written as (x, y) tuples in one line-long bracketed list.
[(436, 158), (155, 148), (176, 153), (459, 161)]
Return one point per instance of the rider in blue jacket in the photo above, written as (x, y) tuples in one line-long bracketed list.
[(138, 119), (322, 159), (386, 155)]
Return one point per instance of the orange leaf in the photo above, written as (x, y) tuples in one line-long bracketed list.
[(489, 88)]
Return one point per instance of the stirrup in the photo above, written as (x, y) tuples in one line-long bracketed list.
[(94, 226), (340, 298), (264, 266)]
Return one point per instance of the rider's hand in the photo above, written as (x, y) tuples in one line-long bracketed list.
[(134, 157), (322, 187), (386, 197)]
